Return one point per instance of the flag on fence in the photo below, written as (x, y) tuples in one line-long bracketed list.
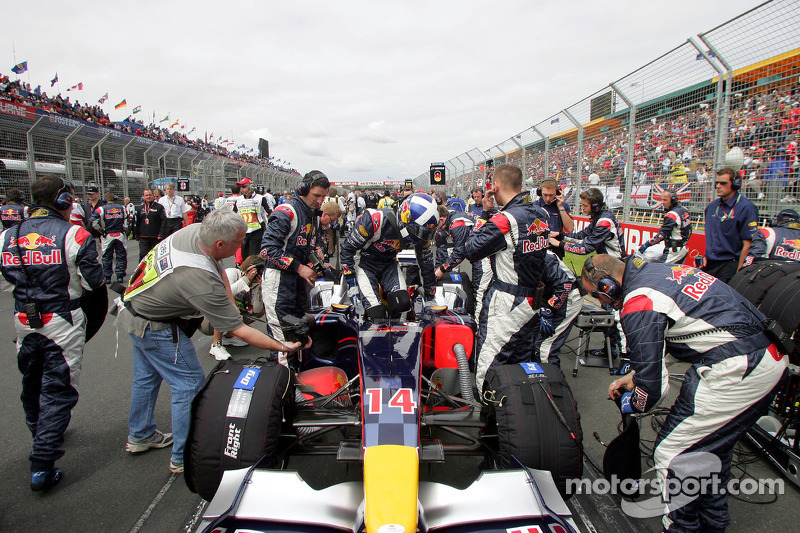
[(165, 119), (174, 123), (78, 87), (103, 98), (555, 120), (137, 109), (121, 104), (20, 67), (54, 80)]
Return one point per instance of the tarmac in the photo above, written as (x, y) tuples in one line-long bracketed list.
[(108, 489)]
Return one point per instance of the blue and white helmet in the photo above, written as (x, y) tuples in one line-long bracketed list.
[(418, 217)]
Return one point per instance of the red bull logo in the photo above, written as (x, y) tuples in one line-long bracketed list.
[(538, 227), (32, 241), (679, 272), (791, 243)]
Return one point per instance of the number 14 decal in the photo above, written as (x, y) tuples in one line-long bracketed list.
[(403, 399)]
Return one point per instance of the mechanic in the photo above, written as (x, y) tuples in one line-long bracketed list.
[(675, 230), (95, 201), (287, 244), (327, 240), (190, 261), (555, 317), (254, 210), (515, 241), (781, 240), (175, 208), (369, 254), (735, 371), (603, 235), (51, 263), (552, 201), (453, 231), (109, 221), (14, 210), (149, 222), (731, 220)]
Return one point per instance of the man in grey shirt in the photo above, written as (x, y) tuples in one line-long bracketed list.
[(187, 268)]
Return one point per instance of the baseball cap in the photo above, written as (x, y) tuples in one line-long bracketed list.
[(244, 181), (222, 194), (92, 188)]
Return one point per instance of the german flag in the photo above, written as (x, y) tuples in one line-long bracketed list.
[(121, 104)]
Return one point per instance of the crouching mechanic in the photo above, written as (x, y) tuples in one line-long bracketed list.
[(674, 232), (454, 229), (288, 242), (51, 263), (515, 241), (369, 254), (735, 370), (781, 240), (187, 270)]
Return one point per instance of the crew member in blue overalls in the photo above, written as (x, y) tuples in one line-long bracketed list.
[(109, 221)]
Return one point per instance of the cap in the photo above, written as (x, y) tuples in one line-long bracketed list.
[(244, 181), (222, 194), (92, 188)]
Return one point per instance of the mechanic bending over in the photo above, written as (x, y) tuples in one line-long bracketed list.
[(369, 254), (735, 370), (288, 242), (515, 241), (781, 240)]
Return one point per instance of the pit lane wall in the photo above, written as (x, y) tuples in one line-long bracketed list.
[(636, 234)]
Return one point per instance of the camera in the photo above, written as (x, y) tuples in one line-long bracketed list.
[(297, 329)]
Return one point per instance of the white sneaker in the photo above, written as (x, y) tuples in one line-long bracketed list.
[(219, 352), (233, 341)]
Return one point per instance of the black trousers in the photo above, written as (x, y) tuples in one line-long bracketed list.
[(145, 245), (722, 270)]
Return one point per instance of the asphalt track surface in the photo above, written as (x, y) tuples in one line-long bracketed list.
[(107, 489)]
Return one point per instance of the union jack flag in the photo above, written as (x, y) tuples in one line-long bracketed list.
[(684, 193)]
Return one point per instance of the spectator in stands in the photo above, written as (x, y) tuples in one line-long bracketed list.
[(731, 220), (175, 209)]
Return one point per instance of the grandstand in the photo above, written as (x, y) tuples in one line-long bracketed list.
[(41, 135), (734, 85)]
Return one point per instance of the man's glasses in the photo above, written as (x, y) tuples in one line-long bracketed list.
[(722, 183)]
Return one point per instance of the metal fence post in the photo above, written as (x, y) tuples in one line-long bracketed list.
[(151, 180), (579, 155), (546, 152), (522, 155), (626, 198), (125, 188), (68, 156), (719, 126), (29, 150), (722, 117), (472, 174), (99, 146), (158, 162)]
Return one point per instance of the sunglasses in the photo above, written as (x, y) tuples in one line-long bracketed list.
[(722, 183)]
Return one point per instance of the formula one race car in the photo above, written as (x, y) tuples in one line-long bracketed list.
[(386, 396)]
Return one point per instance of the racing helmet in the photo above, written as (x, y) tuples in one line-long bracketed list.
[(418, 217), (787, 218)]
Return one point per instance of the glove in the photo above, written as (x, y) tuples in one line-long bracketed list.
[(625, 404), (546, 326), (350, 279), (644, 247)]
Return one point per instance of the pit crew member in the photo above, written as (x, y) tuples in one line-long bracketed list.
[(735, 370), (556, 317), (552, 201), (288, 241), (781, 240), (13, 211), (369, 254), (515, 241), (109, 221), (253, 209), (675, 230), (59, 263)]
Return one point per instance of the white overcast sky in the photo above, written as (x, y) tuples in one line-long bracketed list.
[(358, 89)]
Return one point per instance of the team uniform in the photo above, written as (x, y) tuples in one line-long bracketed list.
[(109, 221), (728, 224), (603, 235), (559, 282), (735, 370), (515, 241), (386, 202), (288, 241), (254, 213), (781, 241), (675, 232), (149, 223), (10, 214), (61, 262), (370, 252), (450, 240), (78, 215), (555, 219)]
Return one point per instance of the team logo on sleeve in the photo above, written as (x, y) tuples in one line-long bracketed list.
[(363, 231), (679, 272)]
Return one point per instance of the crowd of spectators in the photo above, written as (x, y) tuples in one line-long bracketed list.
[(21, 93)]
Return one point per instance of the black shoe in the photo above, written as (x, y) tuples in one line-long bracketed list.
[(45, 480), (603, 353), (108, 280), (120, 279)]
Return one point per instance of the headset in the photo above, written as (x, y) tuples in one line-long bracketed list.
[(64, 197), (673, 197), (596, 199), (606, 285), (736, 183), (548, 182), (310, 180)]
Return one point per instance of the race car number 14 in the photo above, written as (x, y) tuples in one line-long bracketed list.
[(402, 398)]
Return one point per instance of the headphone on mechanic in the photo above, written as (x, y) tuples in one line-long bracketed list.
[(673, 197), (596, 197), (548, 183), (606, 285), (64, 197), (313, 178), (736, 183)]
